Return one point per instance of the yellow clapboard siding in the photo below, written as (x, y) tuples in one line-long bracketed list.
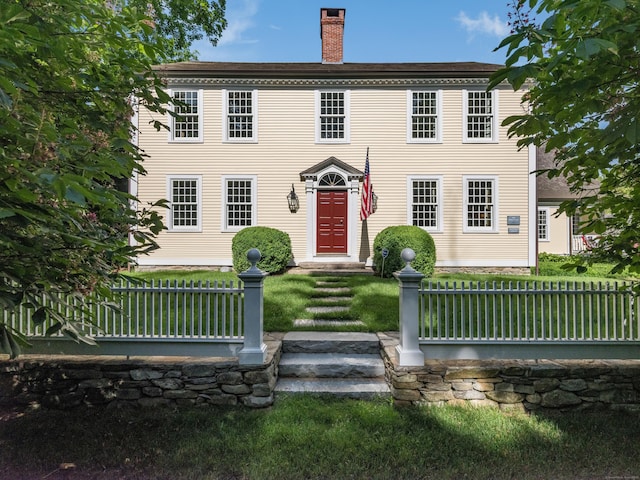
[(286, 146)]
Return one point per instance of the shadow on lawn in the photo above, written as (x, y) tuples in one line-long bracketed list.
[(306, 437)]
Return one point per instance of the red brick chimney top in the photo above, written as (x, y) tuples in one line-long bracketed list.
[(332, 34)]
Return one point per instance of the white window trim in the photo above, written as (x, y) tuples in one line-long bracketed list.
[(439, 217), (438, 137), (254, 197), (171, 121), (496, 213), (225, 116), (495, 134), (170, 226), (347, 117), (547, 211)]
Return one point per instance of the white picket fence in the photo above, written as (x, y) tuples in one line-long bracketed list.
[(158, 318), (516, 320), (529, 311)]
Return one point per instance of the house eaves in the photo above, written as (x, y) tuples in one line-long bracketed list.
[(326, 71)]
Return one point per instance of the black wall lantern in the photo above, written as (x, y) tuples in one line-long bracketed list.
[(374, 202), (292, 199)]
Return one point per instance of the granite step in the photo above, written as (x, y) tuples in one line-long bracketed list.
[(307, 322), (342, 364), (331, 365), (364, 389), (331, 342)]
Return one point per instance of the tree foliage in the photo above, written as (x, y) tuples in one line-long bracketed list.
[(581, 62), (68, 73)]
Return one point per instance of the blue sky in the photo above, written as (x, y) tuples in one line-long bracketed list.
[(375, 31)]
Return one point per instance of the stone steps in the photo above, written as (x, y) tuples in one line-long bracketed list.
[(331, 268), (331, 365), (336, 387), (330, 290), (342, 364)]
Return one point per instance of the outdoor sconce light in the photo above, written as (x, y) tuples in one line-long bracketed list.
[(374, 201), (292, 199)]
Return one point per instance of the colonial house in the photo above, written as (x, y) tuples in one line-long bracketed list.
[(249, 135)]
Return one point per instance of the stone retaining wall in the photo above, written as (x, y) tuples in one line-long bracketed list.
[(65, 382), (515, 384)]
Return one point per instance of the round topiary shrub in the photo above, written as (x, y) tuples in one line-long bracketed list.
[(397, 238), (274, 246)]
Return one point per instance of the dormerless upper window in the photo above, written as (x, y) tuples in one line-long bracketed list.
[(240, 115), (425, 199), (543, 223), (185, 203), (480, 116), (424, 122), (186, 126), (239, 202), (332, 124), (481, 204)]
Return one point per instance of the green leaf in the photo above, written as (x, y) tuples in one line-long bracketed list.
[(39, 316), (632, 133), (592, 46), (6, 213), (53, 329), (617, 4)]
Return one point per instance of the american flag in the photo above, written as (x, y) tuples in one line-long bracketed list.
[(366, 208)]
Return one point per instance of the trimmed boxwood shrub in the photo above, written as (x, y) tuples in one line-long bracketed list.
[(274, 246), (397, 238)]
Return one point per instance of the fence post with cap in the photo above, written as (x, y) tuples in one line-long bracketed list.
[(254, 351)]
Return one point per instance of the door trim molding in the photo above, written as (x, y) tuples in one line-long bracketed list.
[(311, 188)]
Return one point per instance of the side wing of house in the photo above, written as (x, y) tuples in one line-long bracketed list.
[(438, 158)]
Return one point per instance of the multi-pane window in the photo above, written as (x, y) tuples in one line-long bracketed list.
[(425, 203), (185, 203), (480, 116), (239, 202), (187, 124), (543, 224), (424, 120), (480, 204), (240, 115), (332, 116), (575, 224)]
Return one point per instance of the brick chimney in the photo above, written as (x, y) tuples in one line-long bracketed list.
[(332, 34)]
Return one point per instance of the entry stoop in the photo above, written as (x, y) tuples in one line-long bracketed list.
[(342, 364)]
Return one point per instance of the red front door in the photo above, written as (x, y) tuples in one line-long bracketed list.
[(332, 222)]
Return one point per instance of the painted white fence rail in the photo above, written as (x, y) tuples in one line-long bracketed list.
[(161, 318), (515, 319), (529, 311)]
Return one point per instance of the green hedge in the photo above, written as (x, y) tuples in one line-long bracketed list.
[(274, 246), (397, 238)]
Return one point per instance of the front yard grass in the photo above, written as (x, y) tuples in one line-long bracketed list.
[(310, 437)]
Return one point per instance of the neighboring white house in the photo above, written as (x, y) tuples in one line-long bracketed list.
[(252, 132), (557, 232)]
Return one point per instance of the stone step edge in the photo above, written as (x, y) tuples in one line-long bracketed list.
[(355, 388), (331, 365), (330, 342), (305, 322)]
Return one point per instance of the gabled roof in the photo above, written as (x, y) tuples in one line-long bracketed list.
[(331, 161), (556, 188), (320, 70), (550, 189)]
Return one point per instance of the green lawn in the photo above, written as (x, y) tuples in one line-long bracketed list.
[(307, 438)]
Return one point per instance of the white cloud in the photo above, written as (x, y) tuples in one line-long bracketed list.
[(239, 21), (483, 24)]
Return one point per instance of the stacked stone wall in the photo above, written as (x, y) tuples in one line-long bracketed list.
[(66, 382), (516, 384)]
